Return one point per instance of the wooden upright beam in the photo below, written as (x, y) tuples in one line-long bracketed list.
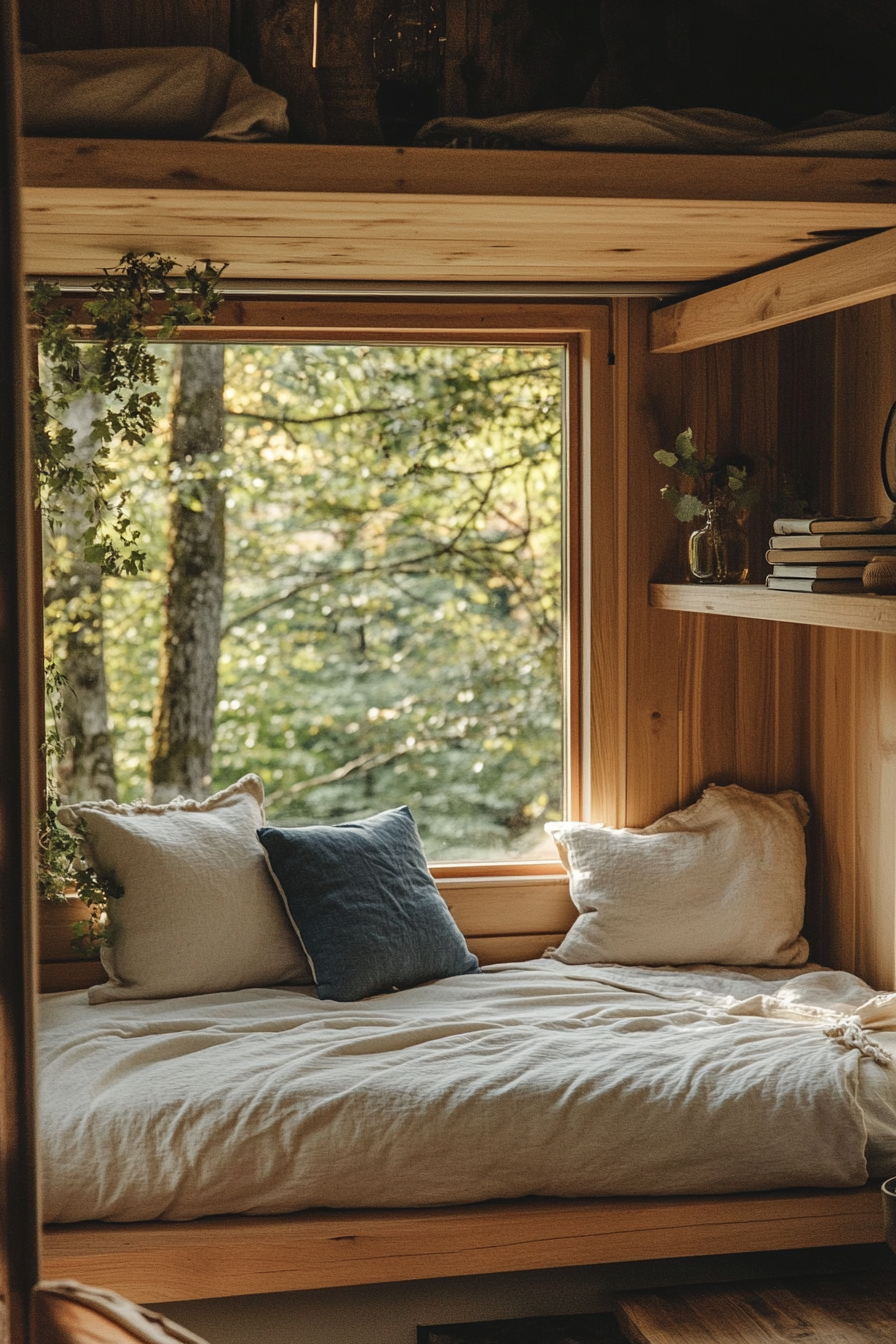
[(839, 278), (21, 694)]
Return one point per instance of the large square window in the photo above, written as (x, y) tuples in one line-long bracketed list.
[(392, 589)]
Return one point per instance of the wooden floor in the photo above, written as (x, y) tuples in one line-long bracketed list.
[(371, 213), (848, 1309)]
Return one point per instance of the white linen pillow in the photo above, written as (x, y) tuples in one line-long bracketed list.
[(722, 881), (199, 913)]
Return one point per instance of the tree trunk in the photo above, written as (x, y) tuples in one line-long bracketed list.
[(73, 599), (184, 719)]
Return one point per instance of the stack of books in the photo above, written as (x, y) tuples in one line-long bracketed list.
[(826, 555)]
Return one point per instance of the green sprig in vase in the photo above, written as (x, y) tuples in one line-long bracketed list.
[(718, 493)]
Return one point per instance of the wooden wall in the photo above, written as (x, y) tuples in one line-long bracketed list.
[(502, 55), (783, 63), (713, 699), (849, 710)]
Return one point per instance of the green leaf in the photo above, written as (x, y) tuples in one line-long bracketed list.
[(747, 497), (684, 444), (666, 458), (688, 508), (694, 468)]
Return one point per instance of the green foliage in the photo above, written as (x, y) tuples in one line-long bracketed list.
[(684, 445), (686, 507), (119, 365), (720, 480), (61, 867), (392, 608)]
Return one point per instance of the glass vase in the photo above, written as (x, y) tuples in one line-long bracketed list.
[(408, 59), (717, 549)]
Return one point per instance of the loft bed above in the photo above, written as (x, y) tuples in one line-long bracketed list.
[(345, 213)]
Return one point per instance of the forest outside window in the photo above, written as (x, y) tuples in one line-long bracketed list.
[(353, 587)]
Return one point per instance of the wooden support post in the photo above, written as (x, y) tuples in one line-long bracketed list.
[(19, 754)]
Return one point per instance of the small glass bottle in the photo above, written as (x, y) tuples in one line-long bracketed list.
[(408, 60), (717, 549)]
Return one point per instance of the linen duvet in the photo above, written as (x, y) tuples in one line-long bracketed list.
[(533, 1078)]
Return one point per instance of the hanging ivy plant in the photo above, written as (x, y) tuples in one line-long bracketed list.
[(114, 359), (119, 365)]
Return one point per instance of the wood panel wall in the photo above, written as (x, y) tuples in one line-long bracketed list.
[(782, 63), (711, 699), (849, 710), (502, 55), (770, 706)]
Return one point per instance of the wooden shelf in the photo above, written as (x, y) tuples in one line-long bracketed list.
[(844, 612)]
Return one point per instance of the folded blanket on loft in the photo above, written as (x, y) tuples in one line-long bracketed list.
[(651, 130), (152, 93), (530, 1079)]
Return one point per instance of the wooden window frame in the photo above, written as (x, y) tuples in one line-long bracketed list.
[(583, 331)]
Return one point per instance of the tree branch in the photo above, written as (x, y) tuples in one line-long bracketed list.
[(314, 420), (374, 410), (410, 564), (371, 760)]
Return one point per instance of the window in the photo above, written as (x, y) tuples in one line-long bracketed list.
[(400, 609)]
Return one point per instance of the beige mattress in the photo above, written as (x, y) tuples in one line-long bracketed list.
[(531, 1079)]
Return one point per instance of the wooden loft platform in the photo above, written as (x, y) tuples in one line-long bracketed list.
[(313, 212)]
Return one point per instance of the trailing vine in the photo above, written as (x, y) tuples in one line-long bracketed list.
[(119, 365), (113, 359)]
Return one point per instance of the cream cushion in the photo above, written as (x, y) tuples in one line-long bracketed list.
[(722, 881), (199, 913)]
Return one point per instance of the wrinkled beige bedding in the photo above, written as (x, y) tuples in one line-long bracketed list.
[(162, 93), (530, 1079)]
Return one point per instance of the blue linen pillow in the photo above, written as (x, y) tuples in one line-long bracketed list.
[(364, 905)]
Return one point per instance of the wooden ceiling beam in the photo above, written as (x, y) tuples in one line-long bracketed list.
[(838, 278)]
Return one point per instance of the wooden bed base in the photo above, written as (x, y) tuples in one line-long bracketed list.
[(223, 1257), (504, 915)]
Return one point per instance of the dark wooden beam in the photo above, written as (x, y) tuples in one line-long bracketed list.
[(19, 697)]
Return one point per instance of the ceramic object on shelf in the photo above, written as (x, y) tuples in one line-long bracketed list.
[(879, 575), (717, 550)]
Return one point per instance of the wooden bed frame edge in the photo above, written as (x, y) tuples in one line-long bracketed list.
[(225, 1257)]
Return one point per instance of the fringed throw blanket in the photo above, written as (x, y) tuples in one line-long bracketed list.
[(652, 130)]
